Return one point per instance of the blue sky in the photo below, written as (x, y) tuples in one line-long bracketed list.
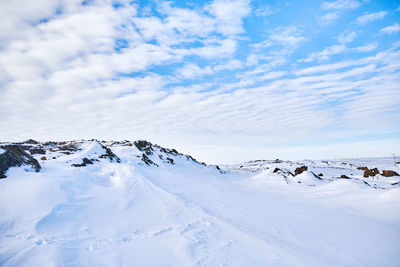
[(223, 80)]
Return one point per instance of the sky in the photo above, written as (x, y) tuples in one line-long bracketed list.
[(225, 80)]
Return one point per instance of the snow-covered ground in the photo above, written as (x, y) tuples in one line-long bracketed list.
[(157, 207)]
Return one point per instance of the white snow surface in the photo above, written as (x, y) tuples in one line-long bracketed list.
[(187, 214)]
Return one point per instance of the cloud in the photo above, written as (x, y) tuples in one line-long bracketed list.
[(264, 11), (229, 14), (329, 18), (347, 37), (326, 53), (391, 29), (190, 71), (370, 17), (366, 48), (340, 5), (287, 36)]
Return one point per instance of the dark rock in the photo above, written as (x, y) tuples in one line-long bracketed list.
[(147, 160), (51, 143), (300, 170), (362, 168), (388, 173), (69, 147), (15, 156), (31, 141), (278, 161), (109, 154), (43, 158), (316, 176), (344, 176), (144, 146), (171, 161), (276, 170), (85, 161), (37, 150), (321, 174), (372, 172)]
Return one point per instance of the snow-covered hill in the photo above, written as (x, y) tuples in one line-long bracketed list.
[(97, 203)]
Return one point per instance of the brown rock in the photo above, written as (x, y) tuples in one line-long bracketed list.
[(372, 172), (362, 168), (43, 158), (344, 176), (127, 144), (388, 173), (300, 170)]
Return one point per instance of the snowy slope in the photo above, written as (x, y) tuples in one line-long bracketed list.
[(166, 209)]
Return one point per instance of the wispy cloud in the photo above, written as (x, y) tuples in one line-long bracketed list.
[(340, 4), (329, 18), (370, 17), (391, 29), (347, 37)]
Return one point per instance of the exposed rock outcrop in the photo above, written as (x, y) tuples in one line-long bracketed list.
[(300, 170), (109, 154), (85, 161), (37, 150), (15, 156), (388, 173), (371, 172)]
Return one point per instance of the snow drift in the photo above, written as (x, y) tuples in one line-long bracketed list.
[(137, 204)]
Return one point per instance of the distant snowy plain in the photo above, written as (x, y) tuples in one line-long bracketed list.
[(187, 214)]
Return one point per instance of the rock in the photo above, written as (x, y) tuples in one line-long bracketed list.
[(300, 170), (127, 144), (171, 161), (344, 176), (109, 154), (147, 160), (362, 168), (144, 146), (372, 172), (15, 156), (321, 174), (37, 150), (316, 176), (69, 148), (31, 141), (43, 158), (85, 161), (276, 170), (388, 173)]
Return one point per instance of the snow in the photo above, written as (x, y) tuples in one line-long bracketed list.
[(186, 214), (2, 151)]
